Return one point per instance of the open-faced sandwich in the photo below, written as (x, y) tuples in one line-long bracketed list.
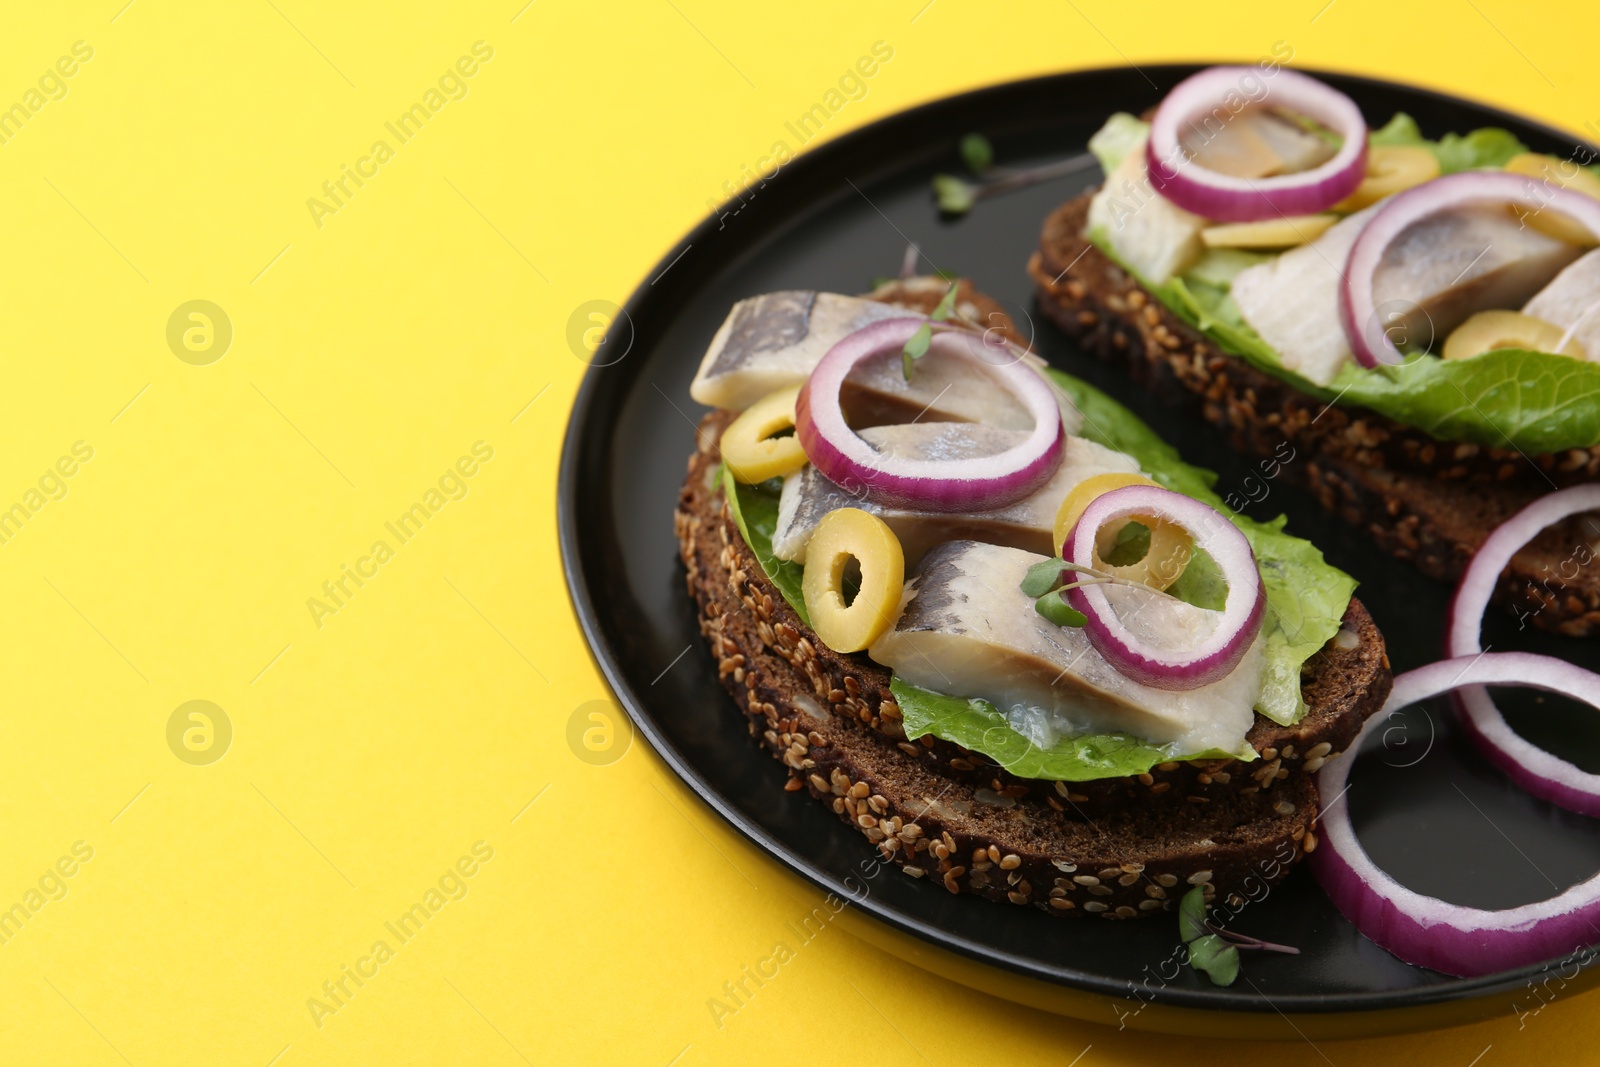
[(996, 623), (1414, 323)]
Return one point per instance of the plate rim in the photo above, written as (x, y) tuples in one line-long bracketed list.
[(609, 661)]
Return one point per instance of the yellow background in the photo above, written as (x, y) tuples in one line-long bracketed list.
[(431, 710)]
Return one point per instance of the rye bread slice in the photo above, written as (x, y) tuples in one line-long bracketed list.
[(1120, 863), (1431, 502)]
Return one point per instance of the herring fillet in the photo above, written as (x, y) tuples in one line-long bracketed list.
[(1293, 301), (1147, 231), (1573, 300), (1454, 263), (775, 340), (967, 629), (808, 495), (772, 341)]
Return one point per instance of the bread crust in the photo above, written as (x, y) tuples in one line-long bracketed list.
[(1426, 501), (831, 721)]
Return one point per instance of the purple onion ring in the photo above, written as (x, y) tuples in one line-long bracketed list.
[(1205, 661), (1425, 930), (1225, 197), (982, 483)]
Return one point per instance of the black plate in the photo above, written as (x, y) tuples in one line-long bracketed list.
[(1426, 806)]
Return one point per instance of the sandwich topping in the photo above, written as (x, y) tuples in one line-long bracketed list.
[(1355, 263), (1063, 583)]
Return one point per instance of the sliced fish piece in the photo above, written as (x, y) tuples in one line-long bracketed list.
[(1256, 143), (1442, 269), (1293, 301), (967, 629), (1147, 231), (1297, 148), (1573, 297), (774, 341), (942, 389), (808, 495)]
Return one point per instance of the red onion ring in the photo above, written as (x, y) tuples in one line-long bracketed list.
[(1167, 668), (1533, 769), (951, 485), (1424, 930), (1357, 306), (1214, 195)]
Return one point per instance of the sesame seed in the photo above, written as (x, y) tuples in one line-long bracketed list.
[(1199, 877), (1010, 862), (1094, 907)]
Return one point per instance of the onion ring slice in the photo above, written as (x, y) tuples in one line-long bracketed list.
[(1227, 198), (1541, 773), (1425, 930), (981, 483), (1209, 658)]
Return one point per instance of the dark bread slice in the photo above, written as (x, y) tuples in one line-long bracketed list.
[(1428, 501), (1122, 863)]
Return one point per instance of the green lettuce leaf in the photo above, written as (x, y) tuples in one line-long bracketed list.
[(1122, 133), (755, 512), (1487, 147), (1306, 596), (1507, 398), (978, 726), (1535, 402)]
